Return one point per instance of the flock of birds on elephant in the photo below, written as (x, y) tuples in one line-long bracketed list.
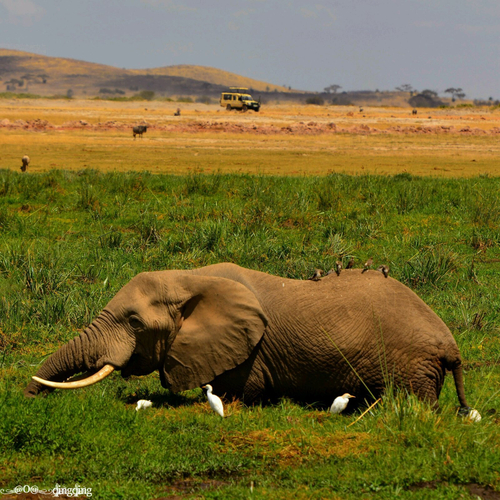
[(319, 273)]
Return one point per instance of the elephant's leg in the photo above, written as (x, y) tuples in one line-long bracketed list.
[(428, 382), (248, 381)]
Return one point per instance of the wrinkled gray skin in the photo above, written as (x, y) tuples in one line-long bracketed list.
[(259, 337)]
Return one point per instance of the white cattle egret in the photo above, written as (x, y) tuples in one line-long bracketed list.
[(340, 403), (214, 401), (143, 404), (474, 416)]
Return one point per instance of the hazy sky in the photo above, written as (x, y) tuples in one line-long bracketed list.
[(358, 44)]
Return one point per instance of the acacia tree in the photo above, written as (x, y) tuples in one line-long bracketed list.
[(455, 92), (406, 87), (332, 88)]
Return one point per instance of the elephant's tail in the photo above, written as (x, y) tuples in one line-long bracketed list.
[(456, 368)]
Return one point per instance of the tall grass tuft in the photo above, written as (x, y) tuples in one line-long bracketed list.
[(429, 267)]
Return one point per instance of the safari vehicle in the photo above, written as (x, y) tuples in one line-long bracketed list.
[(238, 98)]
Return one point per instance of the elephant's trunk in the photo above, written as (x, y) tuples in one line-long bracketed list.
[(90, 351), (64, 363)]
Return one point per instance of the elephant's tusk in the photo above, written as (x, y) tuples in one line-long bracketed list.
[(76, 384)]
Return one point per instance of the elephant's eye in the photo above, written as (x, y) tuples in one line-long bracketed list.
[(135, 323)]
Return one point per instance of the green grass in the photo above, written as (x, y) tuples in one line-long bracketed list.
[(70, 240)]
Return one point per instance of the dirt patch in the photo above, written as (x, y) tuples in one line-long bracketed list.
[(483, 492), (180, 488), (476, 490), (293, 448), (297, 128)]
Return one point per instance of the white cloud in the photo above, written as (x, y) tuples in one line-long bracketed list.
[(22, 12), (22, 8)]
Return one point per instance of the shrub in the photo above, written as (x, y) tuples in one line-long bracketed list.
[(316, 100)]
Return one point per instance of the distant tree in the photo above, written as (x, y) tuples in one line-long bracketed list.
[(332, 88), (316, 99), (454, 93), (15, 81), (406, 87), (429, 93), (426, 99), (341, 99), (69, 94), (460, 95)]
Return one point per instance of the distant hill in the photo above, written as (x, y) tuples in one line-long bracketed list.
[(25, 72), (43, 75)]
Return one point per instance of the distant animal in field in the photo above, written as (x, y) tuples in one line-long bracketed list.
[(178, 112), (414, 112), (26, 161), (139, 130)]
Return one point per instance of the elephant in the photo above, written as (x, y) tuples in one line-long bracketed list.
[(258, 337)]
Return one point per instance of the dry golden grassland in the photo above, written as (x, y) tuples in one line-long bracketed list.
[(280, 140)]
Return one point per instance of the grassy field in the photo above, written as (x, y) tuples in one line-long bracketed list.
[(280, 140), (70, 240), (82, 223)]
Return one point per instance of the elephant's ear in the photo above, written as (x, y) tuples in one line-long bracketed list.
[(222, 322)]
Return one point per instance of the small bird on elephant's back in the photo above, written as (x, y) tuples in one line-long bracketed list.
[(368, 264), (338, 267), (384, 270), (317, 275)]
